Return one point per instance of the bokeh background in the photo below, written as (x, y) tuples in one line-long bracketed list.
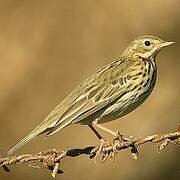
[(48, 47)]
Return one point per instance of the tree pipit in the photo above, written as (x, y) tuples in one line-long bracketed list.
[(112, 92)]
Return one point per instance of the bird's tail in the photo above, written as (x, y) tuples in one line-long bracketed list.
[(46, 127), (37, 131)]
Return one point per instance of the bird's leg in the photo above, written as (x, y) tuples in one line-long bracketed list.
[(95, 132), (102, 140), (116, 134), (100, 151), (99, 137), (95, 123)]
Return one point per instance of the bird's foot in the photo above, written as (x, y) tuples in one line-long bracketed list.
[(121, 138), (105, 150), (109, 149), (101, 150)]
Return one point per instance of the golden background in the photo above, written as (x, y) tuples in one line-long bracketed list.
[(48, 47)]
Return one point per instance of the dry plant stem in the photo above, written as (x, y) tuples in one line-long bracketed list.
[(51, 158)]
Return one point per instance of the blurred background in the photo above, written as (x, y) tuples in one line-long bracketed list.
[(48, 47)]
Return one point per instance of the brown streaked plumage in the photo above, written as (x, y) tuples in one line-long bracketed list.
[(112, 92)]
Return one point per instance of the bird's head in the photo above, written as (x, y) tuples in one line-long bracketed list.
[(145, 47)]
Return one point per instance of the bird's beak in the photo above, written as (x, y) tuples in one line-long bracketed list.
[(164, 44)]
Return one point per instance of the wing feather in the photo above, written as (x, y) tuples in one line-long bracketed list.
[(95, 94)]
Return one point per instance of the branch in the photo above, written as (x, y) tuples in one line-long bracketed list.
[(52, 158)]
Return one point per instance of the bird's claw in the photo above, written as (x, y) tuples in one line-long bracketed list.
[(99, 151), (103, 144), (103, 151), (107, 149), (121, 138)]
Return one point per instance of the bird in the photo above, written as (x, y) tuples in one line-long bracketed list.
[(110, 93)]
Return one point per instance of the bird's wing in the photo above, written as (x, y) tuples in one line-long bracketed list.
[(106, 86)]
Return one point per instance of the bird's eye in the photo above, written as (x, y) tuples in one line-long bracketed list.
[(147, 43)]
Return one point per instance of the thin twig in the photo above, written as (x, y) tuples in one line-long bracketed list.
[(51, 158)]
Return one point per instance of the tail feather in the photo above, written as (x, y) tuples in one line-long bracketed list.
[(24, 141), (43, 128), (57, 128)]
